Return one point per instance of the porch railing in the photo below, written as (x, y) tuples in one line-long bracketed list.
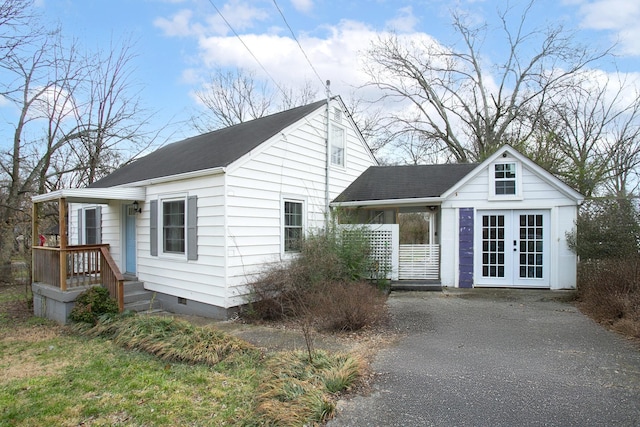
[(76, 266)]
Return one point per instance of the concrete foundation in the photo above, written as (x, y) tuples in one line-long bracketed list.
[(52, 303), (177, 305)]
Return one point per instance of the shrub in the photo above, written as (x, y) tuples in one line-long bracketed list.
[(348, 306), (325, 280), (93, 303), (609, 292), (606, 229)]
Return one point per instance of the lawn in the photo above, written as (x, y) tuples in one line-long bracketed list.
[(52, 375)]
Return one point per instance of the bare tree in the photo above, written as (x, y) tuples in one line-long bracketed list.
[(452, 98), (232, 97), (109, 116), (16, 25), (595, 128), (79, 117)]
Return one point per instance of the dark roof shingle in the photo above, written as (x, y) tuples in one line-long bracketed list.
[(404, 182), (219, 148)]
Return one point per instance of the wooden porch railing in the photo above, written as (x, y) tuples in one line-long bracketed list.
[(76, 266)]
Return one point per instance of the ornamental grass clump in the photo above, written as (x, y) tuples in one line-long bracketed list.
[(299, 391), (172, 339)]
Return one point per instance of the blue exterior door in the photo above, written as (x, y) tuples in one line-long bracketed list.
[(130, 239)]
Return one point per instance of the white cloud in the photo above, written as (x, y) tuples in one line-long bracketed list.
[(335, 57), (619, 16), (240, 15), (302, 5), (404, 22), (179, 25)]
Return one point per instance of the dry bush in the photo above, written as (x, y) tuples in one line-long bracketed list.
[(348, 306), (323, 285), (609, 292)]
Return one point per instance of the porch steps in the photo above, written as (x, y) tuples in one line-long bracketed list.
[(138, 299), (416, 285)]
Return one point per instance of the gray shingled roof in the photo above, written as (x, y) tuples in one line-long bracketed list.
[(404, 182), (214, 149)]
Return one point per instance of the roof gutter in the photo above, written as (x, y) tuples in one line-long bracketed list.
[(389, 202)]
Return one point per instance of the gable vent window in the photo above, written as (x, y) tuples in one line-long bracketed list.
[(337, 115), (505, 179)]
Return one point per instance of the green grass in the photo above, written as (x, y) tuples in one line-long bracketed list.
[(55, 377)]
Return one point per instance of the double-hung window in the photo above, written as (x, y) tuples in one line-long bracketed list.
[(293, 225), (173, 226), (337, 145), (505, 179)]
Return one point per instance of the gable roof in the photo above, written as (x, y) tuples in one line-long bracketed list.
[(404, 182), (215, 149), (508, 151)]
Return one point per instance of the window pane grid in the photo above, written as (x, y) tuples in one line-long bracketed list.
[(292, 226), (337, 146), (531, 246), (505, 178), (173, 222), (493, 246)]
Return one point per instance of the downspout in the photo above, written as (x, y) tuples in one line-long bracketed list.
[(328, 158)]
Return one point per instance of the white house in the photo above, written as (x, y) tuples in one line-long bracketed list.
[(194, 220), (500, 223)]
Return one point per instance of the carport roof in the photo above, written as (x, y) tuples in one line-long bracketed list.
[(404, 182)]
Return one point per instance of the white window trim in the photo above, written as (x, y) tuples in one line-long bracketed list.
[(161, 202), (284, 254), (342, 165), (492, 181)]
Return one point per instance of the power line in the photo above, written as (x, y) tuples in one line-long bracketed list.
[(299, 45), (247, 47)]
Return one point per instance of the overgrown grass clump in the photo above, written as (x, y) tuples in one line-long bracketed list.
[(170, 339), (299, 391), (609, 292), (326, 283)]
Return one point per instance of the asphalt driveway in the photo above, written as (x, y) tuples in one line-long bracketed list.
[(498, 358)]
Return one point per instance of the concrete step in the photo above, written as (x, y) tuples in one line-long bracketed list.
[(133, 286), (149, 305), (416, 285), (138, 299)]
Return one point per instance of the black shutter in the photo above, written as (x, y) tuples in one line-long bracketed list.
[(192, 228)]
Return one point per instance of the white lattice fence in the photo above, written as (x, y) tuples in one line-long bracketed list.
[(384, 247)]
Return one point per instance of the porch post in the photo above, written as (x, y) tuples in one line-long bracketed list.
[(62, 218), (35, 238)]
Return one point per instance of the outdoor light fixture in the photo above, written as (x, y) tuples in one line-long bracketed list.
[(136, 207)]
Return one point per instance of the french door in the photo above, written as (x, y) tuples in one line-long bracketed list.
[(512, 248)]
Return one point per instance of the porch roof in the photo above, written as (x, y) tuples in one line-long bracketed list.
[(93, 195), (403, 184)]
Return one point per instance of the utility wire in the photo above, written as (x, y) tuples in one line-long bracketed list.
[(299, 45), (247, 47)]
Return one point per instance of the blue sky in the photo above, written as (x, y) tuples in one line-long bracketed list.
[(179, 42)]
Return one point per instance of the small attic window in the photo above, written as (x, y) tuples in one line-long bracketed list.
[(505, 179), (337, 115)]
